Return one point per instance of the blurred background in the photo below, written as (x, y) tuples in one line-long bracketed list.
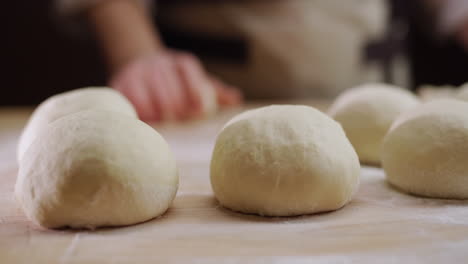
[(43, 53), (40, 58)]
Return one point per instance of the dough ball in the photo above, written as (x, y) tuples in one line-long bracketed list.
[(283, 160), (71, 102), (366, 113), (426, 150), (96, 168)]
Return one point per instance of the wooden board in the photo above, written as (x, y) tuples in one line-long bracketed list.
[(379, 225)]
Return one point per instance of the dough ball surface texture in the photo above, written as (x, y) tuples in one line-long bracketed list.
[(96, 168), (283, 160), (71, 102), (463, 92), (366, 113), (426, 150)]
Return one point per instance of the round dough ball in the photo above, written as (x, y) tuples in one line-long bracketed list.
[(366, 113), (283, 160), (96, 168), (68, 103), (426, 150)]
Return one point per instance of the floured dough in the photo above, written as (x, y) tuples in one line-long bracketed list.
[(71, 102), (366, 113), (283, 160), (96, 168), (426, 150)]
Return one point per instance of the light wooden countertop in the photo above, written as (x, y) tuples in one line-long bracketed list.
[(380, 225)]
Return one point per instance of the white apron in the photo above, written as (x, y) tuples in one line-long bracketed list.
[(296, 48)]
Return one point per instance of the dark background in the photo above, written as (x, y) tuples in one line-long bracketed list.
[(40, 57)]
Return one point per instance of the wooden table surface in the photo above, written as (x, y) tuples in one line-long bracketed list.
[(380, 225)]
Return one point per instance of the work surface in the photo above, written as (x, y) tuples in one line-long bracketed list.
[(380, 225)]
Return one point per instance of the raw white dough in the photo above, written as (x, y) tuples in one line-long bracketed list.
[(426, 150), (435, 92), (431, 92), (283, 160), (96, 168), (463, 92), (68, 103), (366, 113)]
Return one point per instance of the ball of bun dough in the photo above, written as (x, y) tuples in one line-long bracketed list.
[(366, 113), (96, 168), (283, 160), (426, 150)]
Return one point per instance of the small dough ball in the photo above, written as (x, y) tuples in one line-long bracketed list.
[(367, 112), (426, 150), (96, 168), (283, 160), (68, 103)]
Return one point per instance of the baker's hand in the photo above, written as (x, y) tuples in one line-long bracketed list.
[(172, 86)]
